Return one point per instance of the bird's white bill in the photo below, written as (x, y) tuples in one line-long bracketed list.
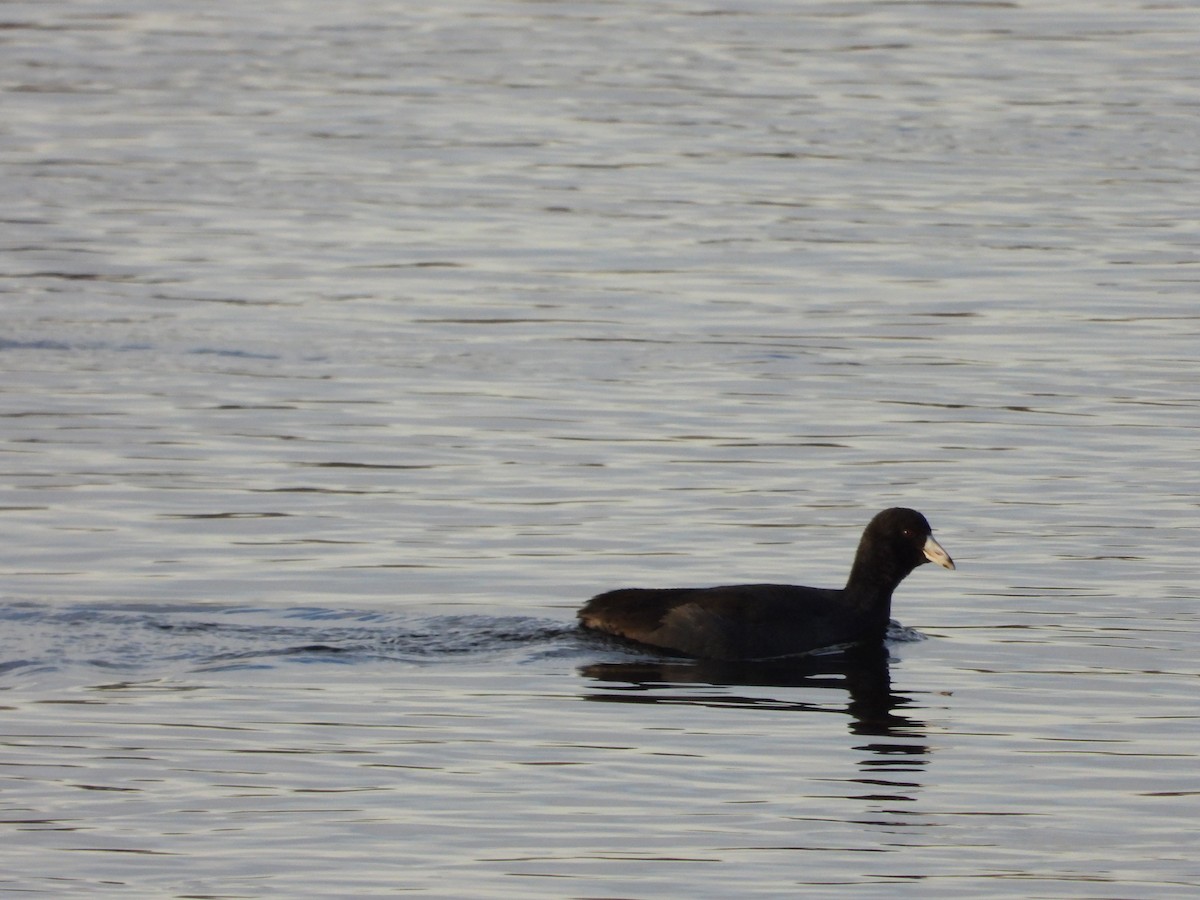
[(936, 553)]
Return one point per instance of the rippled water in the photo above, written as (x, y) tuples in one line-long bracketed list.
[(348, 348)]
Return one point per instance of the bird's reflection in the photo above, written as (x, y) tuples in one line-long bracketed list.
[(894, 757), (864, 677)]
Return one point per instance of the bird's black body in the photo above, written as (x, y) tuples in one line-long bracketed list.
[(760, 621)]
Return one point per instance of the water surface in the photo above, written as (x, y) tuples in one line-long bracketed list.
[(346, 351)]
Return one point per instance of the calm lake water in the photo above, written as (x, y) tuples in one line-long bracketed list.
[(348, 348)]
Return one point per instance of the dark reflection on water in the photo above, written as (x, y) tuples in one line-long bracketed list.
[(864, 676), (875, 710)]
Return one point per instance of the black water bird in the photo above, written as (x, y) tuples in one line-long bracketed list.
[(765, 621)]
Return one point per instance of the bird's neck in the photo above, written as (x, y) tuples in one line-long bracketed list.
[(873, 578)]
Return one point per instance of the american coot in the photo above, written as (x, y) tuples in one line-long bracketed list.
[(760, 621)]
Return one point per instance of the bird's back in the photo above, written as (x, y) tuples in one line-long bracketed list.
[(751, 621)]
